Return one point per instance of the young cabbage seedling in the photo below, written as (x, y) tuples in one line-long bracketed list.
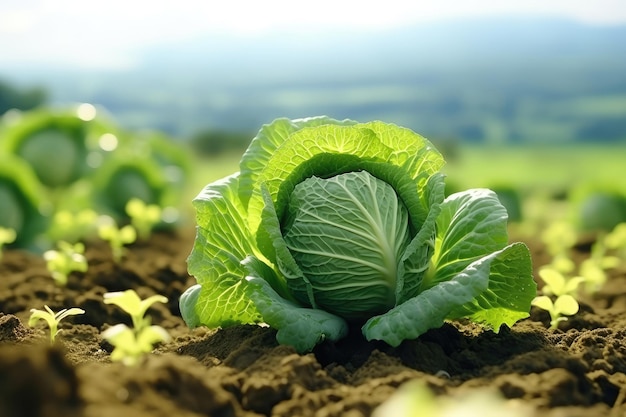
[(51, 318), (73, 227), (131, 344), (414, 399), (134, 306), (117, 238), (555, 283), (564, 289), (594, 268), (143, 216), (7, 235), (559, 238), (616, 240), (67, 259), (564, 305)]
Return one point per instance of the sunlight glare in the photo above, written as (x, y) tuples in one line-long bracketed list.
[(108, 142), (86, 112)]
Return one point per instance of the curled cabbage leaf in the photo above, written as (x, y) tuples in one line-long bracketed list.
[(333, 222)]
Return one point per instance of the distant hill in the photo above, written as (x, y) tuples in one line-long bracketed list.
[(478, 80)]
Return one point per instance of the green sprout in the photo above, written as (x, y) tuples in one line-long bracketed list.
[(117, 238), (7, 235), (594, 268), (564, 305), (555, 283), (131, 344), (73, 227), (143, 216), (134, 306), (616, 240), (52, 318), (414, 398), (559, 238), (564, 289), (69, 258)]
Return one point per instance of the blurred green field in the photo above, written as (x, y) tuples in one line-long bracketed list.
[(550, 180), (547, 177), (531, 168), (528, 168)]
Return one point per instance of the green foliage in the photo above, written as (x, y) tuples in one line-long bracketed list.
[(540, 169), (559, 238), (143, 217), (12, 97), (51, 318), (415, 399), (7, 235), (565, 291), (67, 259), (560, 284), (564, 305), (616, 240), (217, 142), (330, 222), (73, 226), (132, 344), (134, 306), (555, 283), (41, 134), (602, 210), (66, 165), (117, 238), (511, 200), (124, 178), (594, 269), (20, 200), (148, 166)]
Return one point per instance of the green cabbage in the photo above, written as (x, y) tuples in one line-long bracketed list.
[(20, 200), (123, 178), (334, 222), (52, 143)]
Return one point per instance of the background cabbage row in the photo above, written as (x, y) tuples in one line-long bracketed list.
[(76, 159)]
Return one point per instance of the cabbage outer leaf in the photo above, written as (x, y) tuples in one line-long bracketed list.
[(265, 143), (473, 223), (222, 242), (472, 273), (223, 239), (297, 326), (415, 261), (433, 306)]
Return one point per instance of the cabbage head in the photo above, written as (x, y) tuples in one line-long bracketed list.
[(330, 223)]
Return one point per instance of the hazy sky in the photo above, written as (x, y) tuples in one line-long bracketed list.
[(104, 33)]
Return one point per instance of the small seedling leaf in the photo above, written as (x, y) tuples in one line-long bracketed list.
[(566, 305), (543, 302)]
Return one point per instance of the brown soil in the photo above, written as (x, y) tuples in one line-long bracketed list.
[(578, 370)]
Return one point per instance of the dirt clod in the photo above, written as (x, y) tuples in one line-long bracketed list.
[(241, 371)]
